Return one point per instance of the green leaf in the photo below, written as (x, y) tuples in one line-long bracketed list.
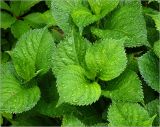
[(122, 24), (127, 87), (61, 10), (19, 27), (82, 16), (148, 66), (156, 18), (15, 98), (47, 105), (89, 115), (128, 114), (153, 108), (70, 51), (1, 119), (39, 19), (32, 53), (31, 118), (70, 120), (4, 5), (103, 7), (74, 87), (156, 48), (20, 7), (6, 20), (102, 59)]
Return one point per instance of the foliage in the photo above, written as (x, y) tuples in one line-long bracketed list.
[(79, 63)]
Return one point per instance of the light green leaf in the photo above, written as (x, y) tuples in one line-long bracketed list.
[(70, 120), (148, 66), (102, 7), (70, 51), (16, 98), (20, 7), (6, 20), (156, 48), (4, 5), (107, 59), (153, 108), (128, 114), (39, 19), (32, 53), (126, 22), (74, 87), (82, 16), (127, 87), (19, 27), (61, 10)]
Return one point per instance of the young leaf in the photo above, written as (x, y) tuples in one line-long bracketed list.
[(107, 58), (75, 88), (70, 51), (61, 10), (70, 120), (19, 27), (6, 20), (128, 114), (15, 98), (156, 48), (121, 23), (102, 7), (82, 16), (148, 66), (20, 7), (32, 53), (153, 108), (126, 87)]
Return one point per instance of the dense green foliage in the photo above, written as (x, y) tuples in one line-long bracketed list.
[(80, 63)]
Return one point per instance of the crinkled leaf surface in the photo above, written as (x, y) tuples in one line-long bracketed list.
[(156, 48), (148, 66), (6, 20), (126, 87), (82, 16), (107, 58), (20, 7), (15, 98), (74, 87), (70, 51), (32, 53), (61, 10), (153, 108), (128, 114), (70, 120), (19, 27), (126, 22), (102, 7)]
